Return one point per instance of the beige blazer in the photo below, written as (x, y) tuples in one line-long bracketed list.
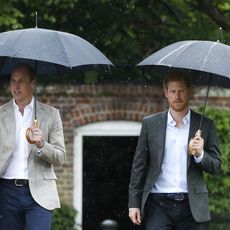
[(42, 178)]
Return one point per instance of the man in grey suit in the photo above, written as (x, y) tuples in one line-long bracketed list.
[(167, 189), (28, 191)]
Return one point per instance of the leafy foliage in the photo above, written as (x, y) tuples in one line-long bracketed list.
[(9, 16), (219, 185), (126, 31), (64, 218)]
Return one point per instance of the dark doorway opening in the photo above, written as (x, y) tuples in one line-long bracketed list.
[(107, 163)]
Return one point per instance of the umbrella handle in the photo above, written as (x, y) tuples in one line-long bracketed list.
[(192, 151), (28, 132)]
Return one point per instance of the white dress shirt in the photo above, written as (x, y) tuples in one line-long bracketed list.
[(173, 175), (17, 168)]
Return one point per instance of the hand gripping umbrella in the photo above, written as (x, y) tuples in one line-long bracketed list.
[(208, 62), (49, 52)]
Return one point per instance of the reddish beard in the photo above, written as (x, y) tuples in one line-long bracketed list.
[(178, 106)]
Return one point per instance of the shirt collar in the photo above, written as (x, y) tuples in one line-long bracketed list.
[(30, 105), (171, 121)]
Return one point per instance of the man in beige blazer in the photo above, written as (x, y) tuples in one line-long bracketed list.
[(28, 191)]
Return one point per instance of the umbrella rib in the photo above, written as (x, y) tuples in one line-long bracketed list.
[(65, 51), (206, 57), (181, 47)]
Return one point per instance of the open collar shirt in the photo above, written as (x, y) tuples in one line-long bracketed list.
[(173, 175), (17, 168)]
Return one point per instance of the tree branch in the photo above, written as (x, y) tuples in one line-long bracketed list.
[(214, 13)]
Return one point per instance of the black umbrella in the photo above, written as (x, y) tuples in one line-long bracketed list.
[(208, 62), (49, 52)]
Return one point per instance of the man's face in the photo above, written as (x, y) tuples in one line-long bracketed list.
[(21, 87), (178, 94)]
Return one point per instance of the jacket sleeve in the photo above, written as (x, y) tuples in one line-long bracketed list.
[(211, 161), (54, 148), (139, 168)]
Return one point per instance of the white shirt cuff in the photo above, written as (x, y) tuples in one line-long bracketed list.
[(199, 159)]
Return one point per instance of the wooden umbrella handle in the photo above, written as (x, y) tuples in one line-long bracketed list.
[(28, 132), (190, 149)]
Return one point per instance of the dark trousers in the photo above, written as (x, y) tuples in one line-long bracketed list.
[(162, 213), (19, 211)]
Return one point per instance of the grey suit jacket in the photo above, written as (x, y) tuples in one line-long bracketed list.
[(42, 178), (149, 156)]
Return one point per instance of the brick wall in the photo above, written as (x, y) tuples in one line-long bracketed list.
[(84, 104)]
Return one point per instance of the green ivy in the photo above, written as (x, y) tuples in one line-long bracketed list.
[(64, 218), (219, 185)]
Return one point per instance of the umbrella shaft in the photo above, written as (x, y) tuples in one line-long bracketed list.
[(205, 103)]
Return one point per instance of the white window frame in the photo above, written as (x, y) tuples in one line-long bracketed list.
[(105, 128)]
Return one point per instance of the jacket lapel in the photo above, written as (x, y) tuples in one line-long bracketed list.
[(10, 124), (161, 130), (194, 125)]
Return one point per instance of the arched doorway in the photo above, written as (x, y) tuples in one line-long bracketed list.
[(90, 135)]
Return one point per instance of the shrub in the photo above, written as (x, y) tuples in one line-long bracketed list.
[(219, 185), (64, 218)]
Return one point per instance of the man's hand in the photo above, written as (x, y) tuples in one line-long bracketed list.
[(198, 144), (37, 137), (135, 215)]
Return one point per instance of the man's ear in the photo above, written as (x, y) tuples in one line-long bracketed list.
[(33, 83), (165, 93)]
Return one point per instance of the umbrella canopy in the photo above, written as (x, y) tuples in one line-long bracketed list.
[(48, 51), (203, 59)]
